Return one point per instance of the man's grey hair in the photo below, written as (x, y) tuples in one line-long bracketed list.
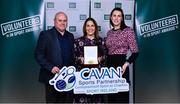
[(58, 14)]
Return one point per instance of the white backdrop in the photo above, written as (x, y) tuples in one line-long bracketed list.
[(101, 14), (79, 10), (76, 10)]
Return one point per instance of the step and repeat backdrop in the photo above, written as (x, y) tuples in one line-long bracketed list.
[(79, 10), (157, 29)]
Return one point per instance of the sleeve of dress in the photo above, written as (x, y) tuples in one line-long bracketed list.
[(103, 51), (132, 43), (77, 53)]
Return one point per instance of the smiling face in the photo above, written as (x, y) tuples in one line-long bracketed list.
[(116, 18), (60, 22), (90, 28)]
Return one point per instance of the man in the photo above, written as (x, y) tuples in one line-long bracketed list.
[(55, 48)]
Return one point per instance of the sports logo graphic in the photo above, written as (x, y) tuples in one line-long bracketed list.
[(90, 80), (65, 79)]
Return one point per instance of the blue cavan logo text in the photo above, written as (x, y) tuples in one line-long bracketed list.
[(105, 72)]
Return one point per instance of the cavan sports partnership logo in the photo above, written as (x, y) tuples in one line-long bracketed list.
[(65, 79), (90, 80)]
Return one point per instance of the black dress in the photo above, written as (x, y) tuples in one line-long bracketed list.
[(79, 52), (115, 61)]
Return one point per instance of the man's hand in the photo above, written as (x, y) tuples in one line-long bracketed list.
[(55, 70)]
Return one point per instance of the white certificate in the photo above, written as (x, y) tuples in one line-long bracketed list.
[(90, 55)]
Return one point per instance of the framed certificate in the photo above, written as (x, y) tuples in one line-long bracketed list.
[(90, 55)]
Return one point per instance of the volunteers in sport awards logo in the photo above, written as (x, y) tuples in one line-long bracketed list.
[(90, 80), (21, 26)]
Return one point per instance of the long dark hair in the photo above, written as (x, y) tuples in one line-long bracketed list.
[(96, 34), (123, 25)]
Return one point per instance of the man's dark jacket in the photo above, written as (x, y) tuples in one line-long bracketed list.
[(49, 54)]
